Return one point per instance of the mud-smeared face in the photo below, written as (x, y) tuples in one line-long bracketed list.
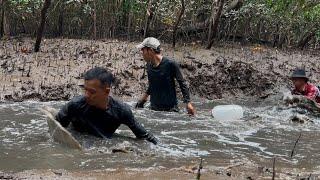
[(299, 83), (95, 92)]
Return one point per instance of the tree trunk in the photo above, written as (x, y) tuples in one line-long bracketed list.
[(1, 17), (215, 24), (149, 16), (213, 13), (61, 19), (23, 26), (130, 14), (94, 20), (177, 24), (5, 25), (44, 11)]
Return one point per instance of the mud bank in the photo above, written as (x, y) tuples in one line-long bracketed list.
[(225, 71), (237, 172)]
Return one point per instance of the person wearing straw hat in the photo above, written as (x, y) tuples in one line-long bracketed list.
[(303, 87), (162, 73)]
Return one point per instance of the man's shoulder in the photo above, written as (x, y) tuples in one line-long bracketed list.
[(118, 105), (312, 87), (168, 60), (171, 62), (77, 102)]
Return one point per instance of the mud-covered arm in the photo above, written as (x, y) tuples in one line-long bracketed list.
[(138, 130), (148, 90), (143, 99), (65, 114), (182, 83)]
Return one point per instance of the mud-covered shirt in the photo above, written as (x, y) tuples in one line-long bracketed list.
[(310, 91), (162, 89), (102, 123)]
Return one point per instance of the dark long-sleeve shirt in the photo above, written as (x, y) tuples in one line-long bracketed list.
[(162, 89), (102, 123)]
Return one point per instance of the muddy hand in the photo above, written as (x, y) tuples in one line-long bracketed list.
[(140, 104), (191, 110)]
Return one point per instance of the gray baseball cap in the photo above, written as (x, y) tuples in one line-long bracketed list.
[(149, 42)]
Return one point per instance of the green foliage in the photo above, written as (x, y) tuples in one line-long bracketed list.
[(257, 19), (313, 14), (290, 19)]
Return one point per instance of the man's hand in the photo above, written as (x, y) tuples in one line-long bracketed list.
[(140, 104), (191, 110), (142, 101), (149, 137), (154, 140)]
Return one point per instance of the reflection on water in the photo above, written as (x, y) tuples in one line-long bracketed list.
[(263, 133)]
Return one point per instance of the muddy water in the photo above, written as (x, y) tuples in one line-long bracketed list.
[(265, 132)]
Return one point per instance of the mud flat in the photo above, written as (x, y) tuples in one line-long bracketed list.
[(243, 171), (229, 73), (225, 71)]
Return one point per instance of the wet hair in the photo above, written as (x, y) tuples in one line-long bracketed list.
[(103, 75)]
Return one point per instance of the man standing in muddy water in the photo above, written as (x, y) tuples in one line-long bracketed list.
[(162, 73), (96, 112)]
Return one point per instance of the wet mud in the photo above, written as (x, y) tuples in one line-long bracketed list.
[(225, 71)]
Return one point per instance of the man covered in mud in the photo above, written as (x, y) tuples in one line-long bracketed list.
[(96, 112), (303, 87), (162, 73)]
